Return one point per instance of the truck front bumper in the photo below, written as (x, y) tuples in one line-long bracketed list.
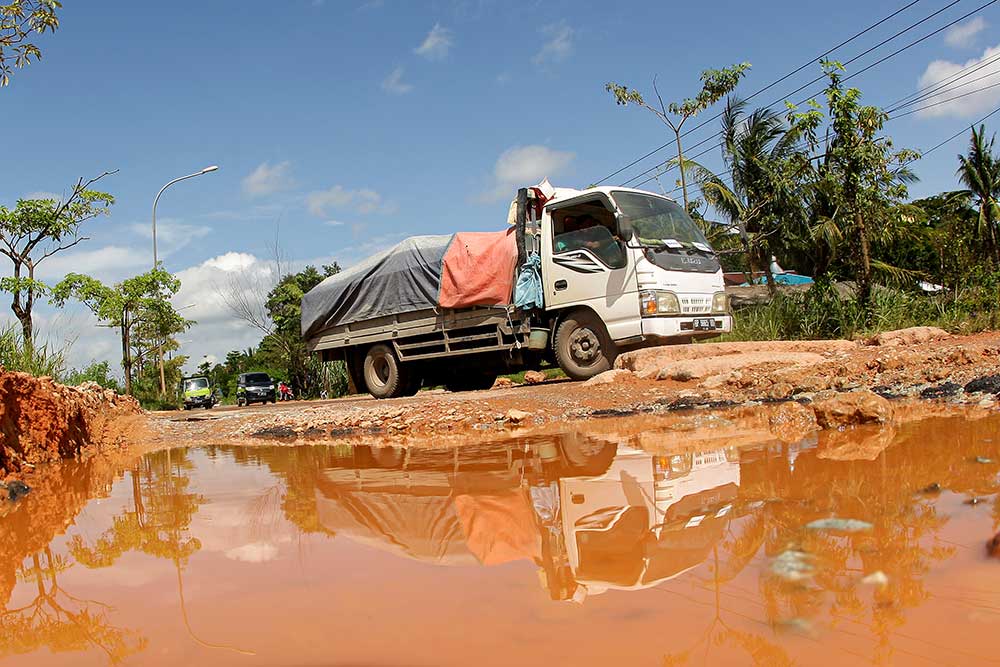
[(684, 326), (197, 401)]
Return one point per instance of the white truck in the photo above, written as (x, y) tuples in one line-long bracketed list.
[(617, 269)]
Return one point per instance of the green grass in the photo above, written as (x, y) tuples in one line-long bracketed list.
[(39, 359), (822, 312)]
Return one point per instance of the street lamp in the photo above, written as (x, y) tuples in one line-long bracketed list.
[(206, 170), (159, 349)]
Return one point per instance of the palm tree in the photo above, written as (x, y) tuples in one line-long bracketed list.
[(979, 171), (757, 151)]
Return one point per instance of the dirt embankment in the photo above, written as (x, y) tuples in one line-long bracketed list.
[(916, 363), (42, 421)]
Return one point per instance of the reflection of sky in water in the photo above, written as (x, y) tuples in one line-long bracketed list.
[(381, 556)]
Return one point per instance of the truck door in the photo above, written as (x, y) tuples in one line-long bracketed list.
[(589, 264)]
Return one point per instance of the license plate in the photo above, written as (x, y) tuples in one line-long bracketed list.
[(704, 324)]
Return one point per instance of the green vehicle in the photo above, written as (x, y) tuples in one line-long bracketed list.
[(197, 393)]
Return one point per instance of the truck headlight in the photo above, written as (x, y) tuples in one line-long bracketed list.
[(658, 303), (720, 303)]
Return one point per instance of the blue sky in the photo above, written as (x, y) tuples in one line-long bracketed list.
[(344, 126)]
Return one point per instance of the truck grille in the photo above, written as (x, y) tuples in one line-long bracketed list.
[(695, 304)]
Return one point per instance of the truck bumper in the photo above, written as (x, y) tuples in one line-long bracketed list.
[(683, 327)]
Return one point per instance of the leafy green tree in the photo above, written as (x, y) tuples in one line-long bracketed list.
[(979, 171), (757, 150), (37, 229), (99, 372), (716, 84), (860, 183), (21, 21), (138, 304), (284, 347)]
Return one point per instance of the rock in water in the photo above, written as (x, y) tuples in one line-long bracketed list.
[(862, 407), (15, 489), (993, 546), (983, 459), (792, 565), (836, 525), (984, 385), (877, 578), (931, 488), (515, 416)]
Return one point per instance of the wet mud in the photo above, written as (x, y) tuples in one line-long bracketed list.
[(699, 538)]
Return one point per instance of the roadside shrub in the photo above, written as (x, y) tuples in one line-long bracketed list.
[(39, 359), (99, 372)]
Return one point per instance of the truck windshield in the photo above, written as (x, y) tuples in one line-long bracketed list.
[(658, 221), (257, 379), (674, 240), (195, 384)]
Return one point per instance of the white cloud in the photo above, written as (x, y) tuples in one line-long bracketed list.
[(171, 235), (394, 83), (971, 105), (334, 223), (256, 552), (320, 202), (42, 194), (267, 179), (962, 35), (436, 45), (521, 166), (109, 263), (559, 46)]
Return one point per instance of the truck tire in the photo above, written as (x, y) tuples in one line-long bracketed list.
[(583, 347), (385, 377)]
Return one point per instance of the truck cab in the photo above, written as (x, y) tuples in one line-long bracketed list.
[(635, 259)]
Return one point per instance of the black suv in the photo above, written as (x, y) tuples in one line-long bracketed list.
[(255, 388)]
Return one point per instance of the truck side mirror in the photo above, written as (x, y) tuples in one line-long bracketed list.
[(625, 230)]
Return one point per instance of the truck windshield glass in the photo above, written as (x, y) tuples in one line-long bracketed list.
[(257, 379), (195, 384), (657, 221)]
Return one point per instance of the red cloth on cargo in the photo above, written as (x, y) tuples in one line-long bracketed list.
[(499, 528), (478, 270)]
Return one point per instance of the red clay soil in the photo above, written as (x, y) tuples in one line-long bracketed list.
[(43, 421)]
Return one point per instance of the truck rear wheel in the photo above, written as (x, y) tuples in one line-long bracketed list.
[(385, 376), (583, 347)]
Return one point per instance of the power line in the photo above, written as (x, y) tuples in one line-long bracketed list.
[(945, 101), (858, 73), (940, 92), (773, 83), (957, 76)]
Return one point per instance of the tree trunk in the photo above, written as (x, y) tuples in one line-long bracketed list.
[(865, 271), (680, 163), (126, 355), (22, 311)]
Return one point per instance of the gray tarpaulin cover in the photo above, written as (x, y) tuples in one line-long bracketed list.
[(402, 279)]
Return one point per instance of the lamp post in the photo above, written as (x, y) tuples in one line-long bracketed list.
[(159, 349)]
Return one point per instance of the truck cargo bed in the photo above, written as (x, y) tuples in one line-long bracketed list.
[(425, 334)]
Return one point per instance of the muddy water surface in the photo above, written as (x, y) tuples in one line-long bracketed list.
[(589, 548)]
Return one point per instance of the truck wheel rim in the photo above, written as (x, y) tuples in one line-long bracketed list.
[(381, 369), (584, 346)]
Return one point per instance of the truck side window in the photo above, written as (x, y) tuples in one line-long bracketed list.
[(589, 227)]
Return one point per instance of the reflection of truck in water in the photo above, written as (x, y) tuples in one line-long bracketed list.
[(597, 271), (593, 515)]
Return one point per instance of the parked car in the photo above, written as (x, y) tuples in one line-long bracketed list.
[(197, 393), (255, 388)]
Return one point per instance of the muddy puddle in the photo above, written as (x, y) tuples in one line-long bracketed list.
[(588, 548)]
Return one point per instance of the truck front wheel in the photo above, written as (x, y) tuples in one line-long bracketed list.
[(582, 346), (385, 377)]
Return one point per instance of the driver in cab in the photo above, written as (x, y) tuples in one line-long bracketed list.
[(586, 232)]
